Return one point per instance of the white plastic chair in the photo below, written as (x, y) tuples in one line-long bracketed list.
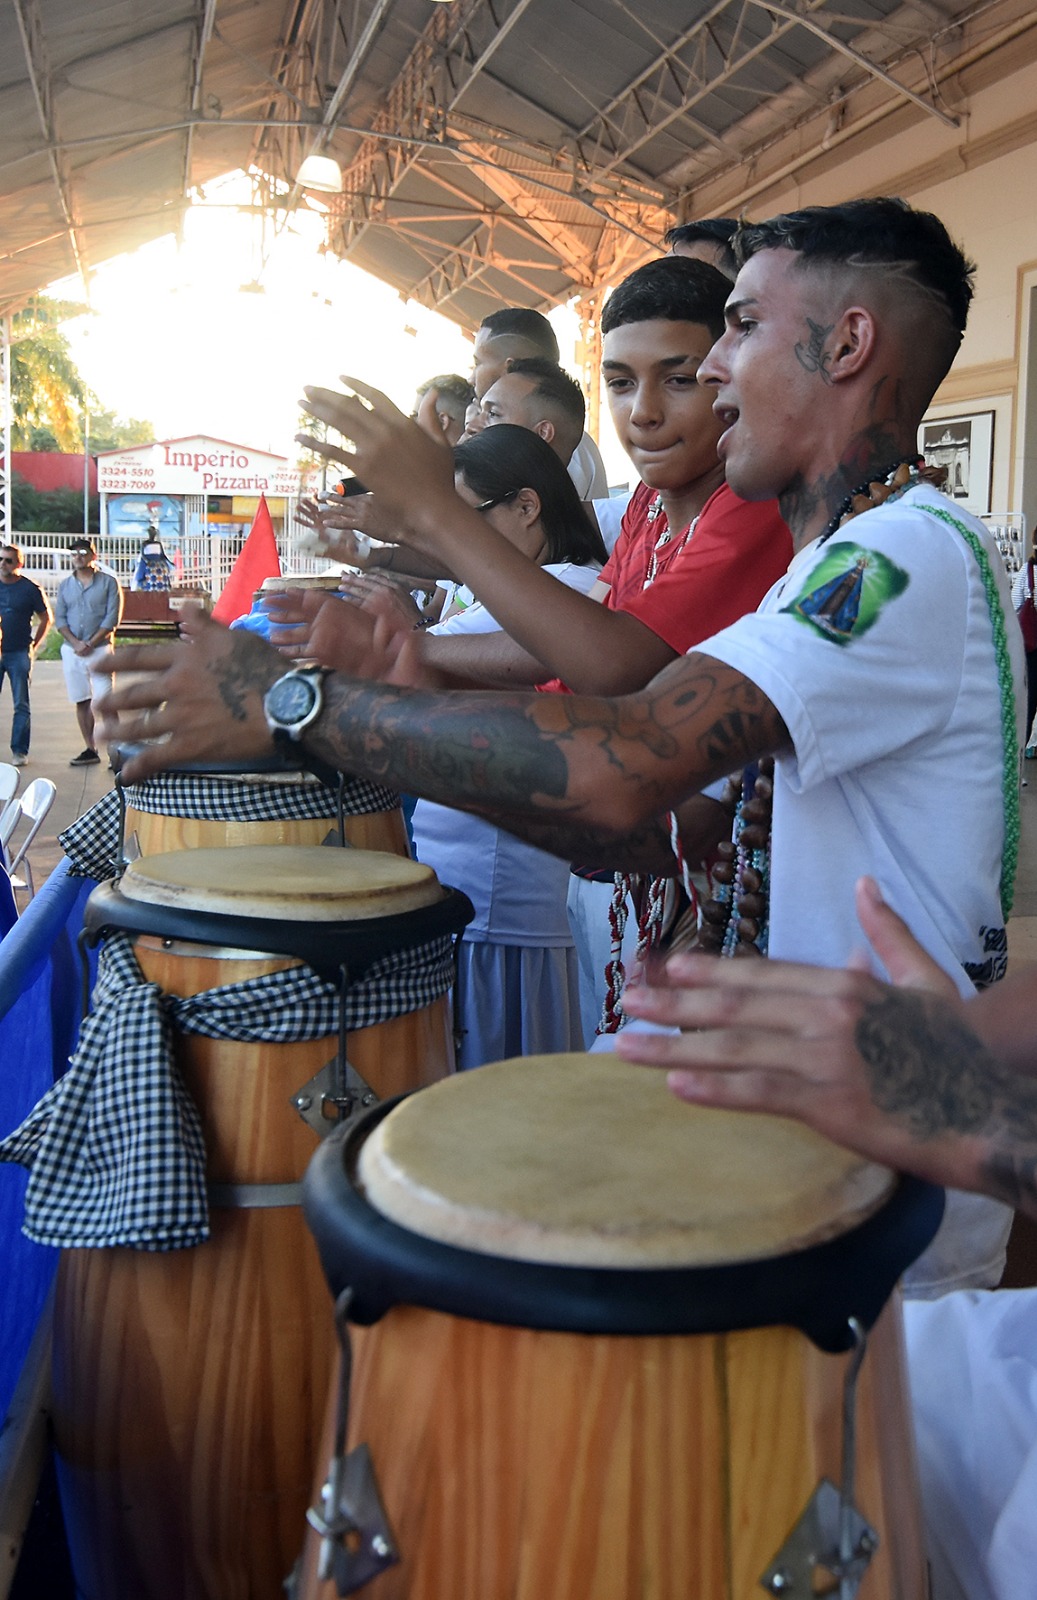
[(10, 778), (33, 805), (9, 818)]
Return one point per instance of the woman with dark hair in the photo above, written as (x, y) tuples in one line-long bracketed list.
[(517, 990), (521, 487), (495, 463)]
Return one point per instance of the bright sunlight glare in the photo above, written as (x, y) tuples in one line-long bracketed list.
[(219, 336)]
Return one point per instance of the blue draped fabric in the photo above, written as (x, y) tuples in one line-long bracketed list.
[(40, 1007)]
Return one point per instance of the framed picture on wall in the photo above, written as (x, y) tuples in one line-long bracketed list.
[(965, 446)]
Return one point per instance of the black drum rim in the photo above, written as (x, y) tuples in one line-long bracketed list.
[(817, 1289), (324, 946)]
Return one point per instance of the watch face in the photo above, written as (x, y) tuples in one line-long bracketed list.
[(290, 700)]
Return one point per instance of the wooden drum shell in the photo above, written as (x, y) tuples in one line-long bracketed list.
[(517, 1464), (157, 832), (190, 1385), (591, 1323)]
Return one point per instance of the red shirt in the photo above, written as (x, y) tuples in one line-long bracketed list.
[(739, 549)]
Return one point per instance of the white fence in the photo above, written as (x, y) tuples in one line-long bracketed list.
[(1009, 530), (205, 559)]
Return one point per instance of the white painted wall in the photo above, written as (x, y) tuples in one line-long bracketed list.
[(990, 207)]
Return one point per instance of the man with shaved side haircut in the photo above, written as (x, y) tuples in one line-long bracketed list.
[(879, 672)]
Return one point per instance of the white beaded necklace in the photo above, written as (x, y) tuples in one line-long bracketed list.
[(666, 537)]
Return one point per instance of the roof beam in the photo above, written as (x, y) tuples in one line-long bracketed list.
[(434, 78), (646, 107), (467, 264), (458, 269), (361, 50), (206, 23), (510, 186), (643, 110), (871, 67), (30, 26), (429, 245)]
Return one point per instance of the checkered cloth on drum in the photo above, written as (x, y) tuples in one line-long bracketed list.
[(115, 1148), (92, 841)]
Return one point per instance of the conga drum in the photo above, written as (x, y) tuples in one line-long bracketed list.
[(598, 1349), (274, 800), (189, 1384)]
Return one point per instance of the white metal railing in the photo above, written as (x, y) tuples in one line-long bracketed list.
[(205, 558), (1009, 530)]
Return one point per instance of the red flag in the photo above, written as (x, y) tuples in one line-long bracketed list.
[(258, 560)]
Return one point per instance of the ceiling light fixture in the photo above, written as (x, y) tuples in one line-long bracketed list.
[(322, 173)]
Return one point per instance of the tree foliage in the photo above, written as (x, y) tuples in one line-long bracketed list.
[(49, 396), (50, 510), (47, 388), (109, 432)]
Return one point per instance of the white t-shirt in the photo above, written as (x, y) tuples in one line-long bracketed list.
[(587, 470), (609, 514), (518, 891), (894, 711), (877, 649)]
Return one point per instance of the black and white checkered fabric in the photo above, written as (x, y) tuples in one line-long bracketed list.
[(92, 841), (115, 1149)]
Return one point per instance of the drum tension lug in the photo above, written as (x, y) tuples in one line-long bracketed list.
[(831, 1546), (811, 1553), (326, 1101), (356, 1540)]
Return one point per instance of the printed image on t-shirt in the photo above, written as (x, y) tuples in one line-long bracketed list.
[(847, 591)]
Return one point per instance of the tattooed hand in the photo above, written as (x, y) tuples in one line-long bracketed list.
[(895, 1073), (199, 699)]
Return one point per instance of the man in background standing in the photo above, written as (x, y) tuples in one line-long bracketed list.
[(21, 604), (88, 607)]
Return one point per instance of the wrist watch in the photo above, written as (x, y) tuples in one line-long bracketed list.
[(294, 701)]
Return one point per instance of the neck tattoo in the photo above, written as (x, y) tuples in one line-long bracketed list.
[(879, 487)]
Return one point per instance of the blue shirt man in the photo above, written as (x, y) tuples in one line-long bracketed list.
[(22, 604)]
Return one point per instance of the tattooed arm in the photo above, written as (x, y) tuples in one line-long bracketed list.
[(900, 1074), (593, 769)]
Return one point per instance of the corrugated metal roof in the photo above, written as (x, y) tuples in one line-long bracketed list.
[(516, 151)]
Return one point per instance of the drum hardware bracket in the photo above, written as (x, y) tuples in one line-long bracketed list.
[(336, 839), (831, 1540), (253, 1196), (356, 1539), (321, 1103), (337, 1090)]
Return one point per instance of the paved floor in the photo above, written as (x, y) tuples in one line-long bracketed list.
[(55, 740)]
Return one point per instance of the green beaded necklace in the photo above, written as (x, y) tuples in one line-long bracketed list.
[(1009, 732), (725, 937)]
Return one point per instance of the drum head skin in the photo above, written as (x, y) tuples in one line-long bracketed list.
[(305, 883), (585, 1160), (575, 1194)]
